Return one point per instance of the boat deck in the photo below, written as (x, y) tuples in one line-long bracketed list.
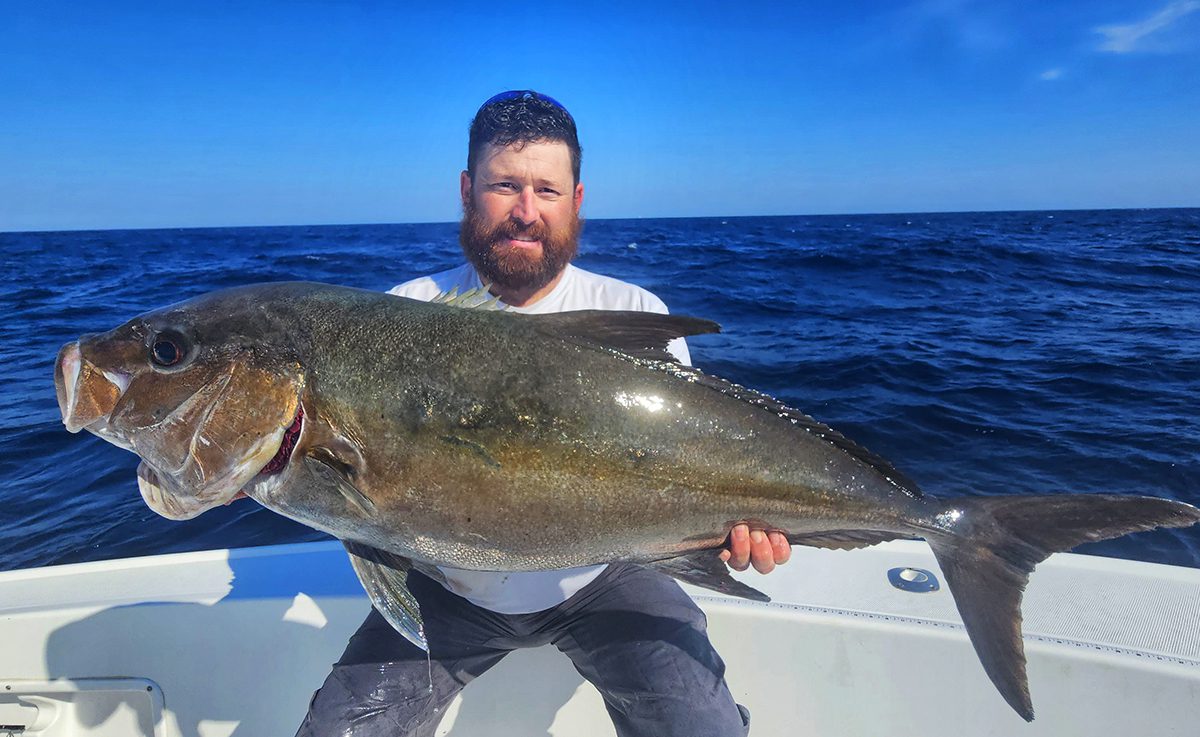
[(222, 643)]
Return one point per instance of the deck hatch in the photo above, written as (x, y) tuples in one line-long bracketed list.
[(87, 707)]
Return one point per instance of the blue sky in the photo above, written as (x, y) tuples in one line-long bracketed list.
[(170, 114)]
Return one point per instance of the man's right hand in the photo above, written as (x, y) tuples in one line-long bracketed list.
[(763, 550)]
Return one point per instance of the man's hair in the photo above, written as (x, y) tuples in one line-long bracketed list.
[(521, 117)]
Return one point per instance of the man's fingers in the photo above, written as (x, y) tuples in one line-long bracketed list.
[(761, 553), (780, 547), (739, 548), (761, 549)]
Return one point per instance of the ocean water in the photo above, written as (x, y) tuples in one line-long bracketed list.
[(983, 353)]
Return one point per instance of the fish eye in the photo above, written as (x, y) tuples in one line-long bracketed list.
[(167, 350)]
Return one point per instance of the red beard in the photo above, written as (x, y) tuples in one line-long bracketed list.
[(507, 267)]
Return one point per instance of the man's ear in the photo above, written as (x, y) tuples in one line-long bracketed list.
[(578, 197), (464, 187)]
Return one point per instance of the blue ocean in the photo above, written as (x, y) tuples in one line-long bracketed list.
[(983, 353)]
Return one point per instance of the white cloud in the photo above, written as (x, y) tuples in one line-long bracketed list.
[(1051, 74), (1123, 39)]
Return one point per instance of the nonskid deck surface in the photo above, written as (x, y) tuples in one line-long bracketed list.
[(236, 641)]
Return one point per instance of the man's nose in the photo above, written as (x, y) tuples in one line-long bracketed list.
[(526, 210)]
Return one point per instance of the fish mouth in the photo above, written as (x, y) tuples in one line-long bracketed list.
[(86, 393)]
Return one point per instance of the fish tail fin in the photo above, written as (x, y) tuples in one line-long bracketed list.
[(988, 546)]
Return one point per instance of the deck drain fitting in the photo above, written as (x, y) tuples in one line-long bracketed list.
[(915, 580)]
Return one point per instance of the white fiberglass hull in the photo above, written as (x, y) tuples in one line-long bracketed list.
[(234, 642)]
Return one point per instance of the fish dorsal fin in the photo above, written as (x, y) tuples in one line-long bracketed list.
[(642, 335), (474, 299), (799, 419)]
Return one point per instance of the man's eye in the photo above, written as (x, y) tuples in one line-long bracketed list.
[(505, 185)]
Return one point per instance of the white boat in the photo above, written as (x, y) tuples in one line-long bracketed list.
[(233, 642)]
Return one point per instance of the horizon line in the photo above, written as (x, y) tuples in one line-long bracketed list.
[(667, 217)]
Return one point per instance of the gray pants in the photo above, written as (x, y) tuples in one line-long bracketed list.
[(632, 633)]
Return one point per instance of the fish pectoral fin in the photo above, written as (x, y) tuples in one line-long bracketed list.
[(324, 465), (638, 334), (704, 568), (846, 539), (384, 575)]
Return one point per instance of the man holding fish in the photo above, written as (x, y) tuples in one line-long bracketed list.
[(521, 198)]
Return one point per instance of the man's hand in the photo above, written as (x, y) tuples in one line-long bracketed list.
[(764, 550)]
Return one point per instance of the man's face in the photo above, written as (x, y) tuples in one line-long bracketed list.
[(521, 224)]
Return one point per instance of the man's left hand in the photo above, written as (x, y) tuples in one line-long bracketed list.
[(763, 550)]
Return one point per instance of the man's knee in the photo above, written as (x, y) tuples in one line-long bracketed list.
[(718, 716), (377, 699)]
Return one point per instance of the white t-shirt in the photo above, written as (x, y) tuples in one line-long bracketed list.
[(524, 592)]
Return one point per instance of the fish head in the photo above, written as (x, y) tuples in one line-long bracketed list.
[(198, 391)]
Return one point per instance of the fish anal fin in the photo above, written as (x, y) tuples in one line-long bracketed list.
[(845, 539), (703, 568), (384, 576)]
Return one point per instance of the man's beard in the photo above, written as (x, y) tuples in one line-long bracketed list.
[(509, 267)]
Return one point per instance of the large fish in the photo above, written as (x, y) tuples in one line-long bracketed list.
[(435, 434)]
